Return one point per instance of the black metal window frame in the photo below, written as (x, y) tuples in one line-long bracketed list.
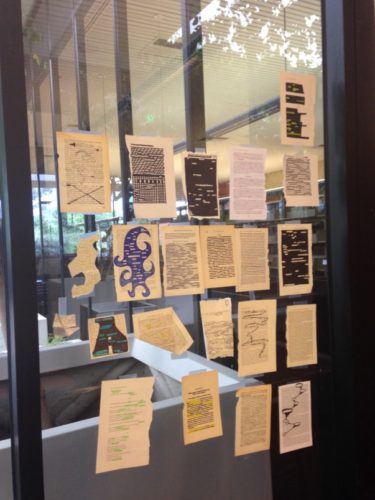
[(348, 141)]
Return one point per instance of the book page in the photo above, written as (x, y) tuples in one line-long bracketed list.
[(182, 272), (217, 245), (107, 336), (253, 419), (217, 327), (256, 337), (85, 263), (295, 416), (201, 412), (297, 109), (247, 200), (301, 187), (301, 335), (84, 177), (294, 243), (252, 268), (124, 422), (201, 185), (162, 328), (136, 262), (153, 177)]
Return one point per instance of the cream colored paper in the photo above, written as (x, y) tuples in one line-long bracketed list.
[(217, 246), (217, 327), (256, 337), (294, 243), (301, 181), (297, 125), (110, 342), (301, 335), (162, 328), (182, 272), (84, 178), (124, 422), (247, 200), (252, 269), (201, 412), (153, 177), (64, 325), (295, 427), (136, 262), (253, 419), (84, 263)]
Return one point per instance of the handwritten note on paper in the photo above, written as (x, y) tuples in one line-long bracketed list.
[(301, 335), (201, 185), (162, 328), (295, 258), (201, 412), (64, 325), (252, 272), (217, 327), (253, 419), (301, 181), (295, 416), (217, 245), (124, 423), (256, 337), (153, 177), (136, 262), (183, 273), (247, 199), (84, 179), (107, 335), (84, 263), (297, 109)]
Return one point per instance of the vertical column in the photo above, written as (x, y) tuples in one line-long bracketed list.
[(83, 109), (124, 96), (192, 55), (124, 105), (19, 256)]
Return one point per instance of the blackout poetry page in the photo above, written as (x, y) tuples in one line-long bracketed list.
[(162, 328), (295, 416), (253, 419), (295, 258), (256, 337), (182, 270), (201, 411), (136, 263), (247, 199), (153, 177), (107, 336), (301, 181), (201, 185), (301, 335), (297, 109), (84, 177), (217, 327), (217, 245), (85, 263), (252, 271), (124, 423)]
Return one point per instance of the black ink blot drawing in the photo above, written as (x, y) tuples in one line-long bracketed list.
[(253, 321), (289, 425)]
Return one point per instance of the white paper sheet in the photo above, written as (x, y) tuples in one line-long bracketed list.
[(295, 416), (247, 199)]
